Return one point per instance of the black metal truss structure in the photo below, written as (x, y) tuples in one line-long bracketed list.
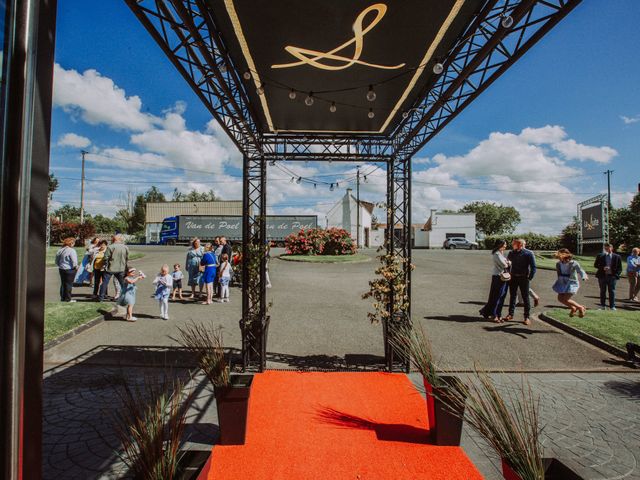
[(187, 33)]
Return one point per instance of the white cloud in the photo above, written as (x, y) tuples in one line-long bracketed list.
[(630, 120), (98, 100), (530, 170), (73, 140), (576, 151)]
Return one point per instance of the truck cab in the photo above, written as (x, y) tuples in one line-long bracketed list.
[(169, 231)]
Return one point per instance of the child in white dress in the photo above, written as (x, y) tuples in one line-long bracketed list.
[(163, 283), (224, 277)]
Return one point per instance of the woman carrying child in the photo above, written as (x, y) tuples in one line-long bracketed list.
[(127, 296), (163, 283), (569, 274)]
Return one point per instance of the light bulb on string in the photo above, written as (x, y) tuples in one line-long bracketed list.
[(365, 179), (405, 115), (292, 180), (507, 21), (315, 185), (299, 179), (223, 68), (260, 89), (247, 75), (371, 114), (371, 94), (272, 163), (309, 100), (292, 94), (331, 187), (333, 107), (438, 68), (337, 185)]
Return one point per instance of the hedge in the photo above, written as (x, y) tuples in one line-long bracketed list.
[(535, 241)]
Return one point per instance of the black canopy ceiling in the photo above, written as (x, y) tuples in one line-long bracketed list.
[(337, 49)]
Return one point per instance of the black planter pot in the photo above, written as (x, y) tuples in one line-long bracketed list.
[(233, 405), (554, 469), (448, 419), (191, 464)]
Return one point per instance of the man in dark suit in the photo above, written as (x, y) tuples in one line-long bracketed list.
[(609, 269), (523, 269)]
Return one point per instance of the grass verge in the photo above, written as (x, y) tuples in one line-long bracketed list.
[(61, 317), (616, 328), (545, 261), (358, 257)]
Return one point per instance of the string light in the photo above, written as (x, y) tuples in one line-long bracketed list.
[(507, 21), (405, 114), (315, 185), (438, 68), (309, 100), (299, 180), (292, 179), (272, 163), (247, 75), (333, 107), (371, 94), (292, 94), (371, 114), (331, 187), (260, 89)]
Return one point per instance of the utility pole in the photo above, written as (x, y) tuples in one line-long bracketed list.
[(82, 189), (358, 207), (608, 174)]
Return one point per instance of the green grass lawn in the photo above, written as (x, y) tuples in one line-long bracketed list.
[(546, 261), (60, 317), (53, 249), (616, 328), (358, 257)]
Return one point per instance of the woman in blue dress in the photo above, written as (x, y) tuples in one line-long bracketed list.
[(192, 265), (566, 286), (209, 262)]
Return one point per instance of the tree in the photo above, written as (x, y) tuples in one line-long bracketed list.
[(569, 236), (68, 213), (194, 196), (53, 183), (154, 195), (493, 219)]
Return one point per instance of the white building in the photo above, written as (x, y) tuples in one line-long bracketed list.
[(344, 214), (441, 226)]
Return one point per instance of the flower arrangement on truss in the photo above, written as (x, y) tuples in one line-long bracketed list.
[(390, 282)]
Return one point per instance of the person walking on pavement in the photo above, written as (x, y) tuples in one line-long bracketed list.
[(116, 258), (499, 283), (67, 262), (608, 266), (523, 269), (633, 274)]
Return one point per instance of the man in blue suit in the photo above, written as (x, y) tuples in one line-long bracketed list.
[(609, 269)]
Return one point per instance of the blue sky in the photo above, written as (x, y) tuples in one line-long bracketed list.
[(539, 138)]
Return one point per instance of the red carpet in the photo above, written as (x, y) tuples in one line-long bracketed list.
[(337, 426)]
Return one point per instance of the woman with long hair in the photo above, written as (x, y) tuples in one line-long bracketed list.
[(566, 286), (499, 283)]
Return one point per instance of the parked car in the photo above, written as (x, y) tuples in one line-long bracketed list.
[(459, 242)]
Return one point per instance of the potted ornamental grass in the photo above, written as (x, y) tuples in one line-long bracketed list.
[(231, 391), (510, 425), (444, 393), (150, 425)]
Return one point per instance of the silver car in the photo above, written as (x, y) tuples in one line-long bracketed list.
[(459, 242)]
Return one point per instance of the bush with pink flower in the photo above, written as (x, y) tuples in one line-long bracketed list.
[(317, 241)]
